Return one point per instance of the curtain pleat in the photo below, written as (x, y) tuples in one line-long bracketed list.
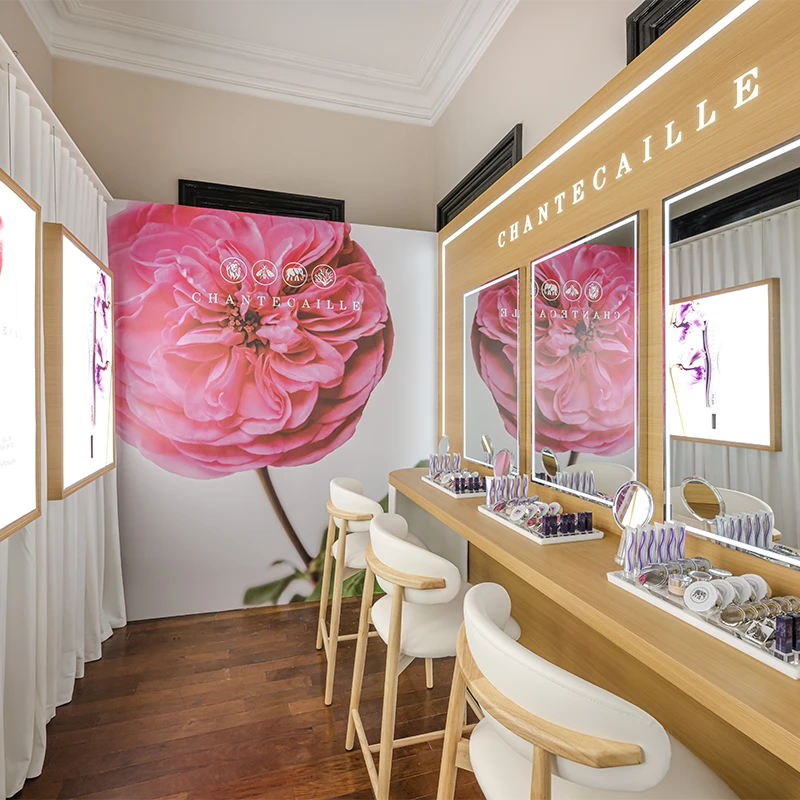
[(60, 577), (766, 247)]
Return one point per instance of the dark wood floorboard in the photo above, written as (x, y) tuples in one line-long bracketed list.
[(228, 707)]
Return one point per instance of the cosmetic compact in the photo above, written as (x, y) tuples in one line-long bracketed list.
[(719, 573)]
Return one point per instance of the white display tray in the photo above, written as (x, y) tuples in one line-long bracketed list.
[(449, 493), (696, 621), (561, 538)]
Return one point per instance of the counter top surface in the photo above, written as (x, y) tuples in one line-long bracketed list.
[(761, 702)]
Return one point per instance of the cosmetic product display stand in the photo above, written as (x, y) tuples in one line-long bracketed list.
[(450, 493), (535, 536), (766, 654)]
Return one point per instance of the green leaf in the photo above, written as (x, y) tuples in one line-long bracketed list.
[(354, 585), (269, 593), (423, 463)]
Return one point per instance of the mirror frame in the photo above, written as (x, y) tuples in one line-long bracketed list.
[(515, 456), (634, 219)]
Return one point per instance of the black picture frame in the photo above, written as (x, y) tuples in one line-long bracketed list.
[(498, 161), (651, 20), (747, 203), (202, 194)]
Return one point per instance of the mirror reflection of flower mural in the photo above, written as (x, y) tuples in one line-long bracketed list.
[(493, 337), (585, 351), (243, 341)]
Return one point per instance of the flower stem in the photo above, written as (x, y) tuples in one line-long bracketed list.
[(269, 488)]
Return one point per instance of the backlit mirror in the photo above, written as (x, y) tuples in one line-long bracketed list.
[(585, 332), (732, 356), (491, 390)]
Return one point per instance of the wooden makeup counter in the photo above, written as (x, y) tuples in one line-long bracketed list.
[(739, 716)]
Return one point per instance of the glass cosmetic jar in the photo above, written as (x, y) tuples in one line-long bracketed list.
[(678, 584)]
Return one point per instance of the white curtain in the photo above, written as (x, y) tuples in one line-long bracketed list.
[(768, 246), (60, 578)]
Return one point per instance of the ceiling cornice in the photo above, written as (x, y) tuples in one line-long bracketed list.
[(76, 31)]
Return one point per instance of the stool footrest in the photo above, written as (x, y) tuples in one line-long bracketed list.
[(366, 750)]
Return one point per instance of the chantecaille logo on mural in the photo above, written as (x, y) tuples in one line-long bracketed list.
[(265, 273), (232, 269), (295, 275), (551, 291), (745, 90)]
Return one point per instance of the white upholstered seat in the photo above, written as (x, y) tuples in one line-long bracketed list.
[(502, 761)]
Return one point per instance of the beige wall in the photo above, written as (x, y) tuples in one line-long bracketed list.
[(142, 134), (547, 60), (21, 36)]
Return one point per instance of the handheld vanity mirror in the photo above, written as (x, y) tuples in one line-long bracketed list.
[(549, 462), (490, 342), (633, 506), (502, 463), (488, 448), (444, 445), (702, 499)]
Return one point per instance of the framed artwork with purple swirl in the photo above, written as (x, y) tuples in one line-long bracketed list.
[(491, 369), (79, 363), (585, 325)]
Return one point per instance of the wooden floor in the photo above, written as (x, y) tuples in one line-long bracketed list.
[(226, 706)]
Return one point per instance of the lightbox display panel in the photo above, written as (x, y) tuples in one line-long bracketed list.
[(79, 364), (723, 363), (20, 501)]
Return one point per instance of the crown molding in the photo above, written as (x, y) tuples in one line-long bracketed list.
[(72, 30)]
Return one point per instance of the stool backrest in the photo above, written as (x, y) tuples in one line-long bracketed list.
[(556, 696), (388, 534), (347, 494)]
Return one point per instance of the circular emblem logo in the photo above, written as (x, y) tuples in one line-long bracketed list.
[(594, 291), (572, 290), (536, 288), (551, 290), (323, 276), (295, 275), (233, 269), (265, 272)]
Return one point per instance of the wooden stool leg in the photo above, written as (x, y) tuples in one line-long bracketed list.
[(452, 736), (390, 694), (326, 581), (541, 779), (336, 612), (362, 641), (429, 673)]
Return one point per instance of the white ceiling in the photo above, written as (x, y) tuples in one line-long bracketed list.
[(397, 59)]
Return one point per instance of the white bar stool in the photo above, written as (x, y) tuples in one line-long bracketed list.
[(419, 617), (549, 734), (350, 511)]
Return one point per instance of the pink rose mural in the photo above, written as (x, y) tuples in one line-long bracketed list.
[(494, 346), (232, 352), (243, 342), (584, 350)]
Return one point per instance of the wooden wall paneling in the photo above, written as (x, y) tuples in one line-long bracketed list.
[(763, 37), (37, 512), (567, 641), (53, 269)]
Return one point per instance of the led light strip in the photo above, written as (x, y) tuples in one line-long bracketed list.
[(692, 47)]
